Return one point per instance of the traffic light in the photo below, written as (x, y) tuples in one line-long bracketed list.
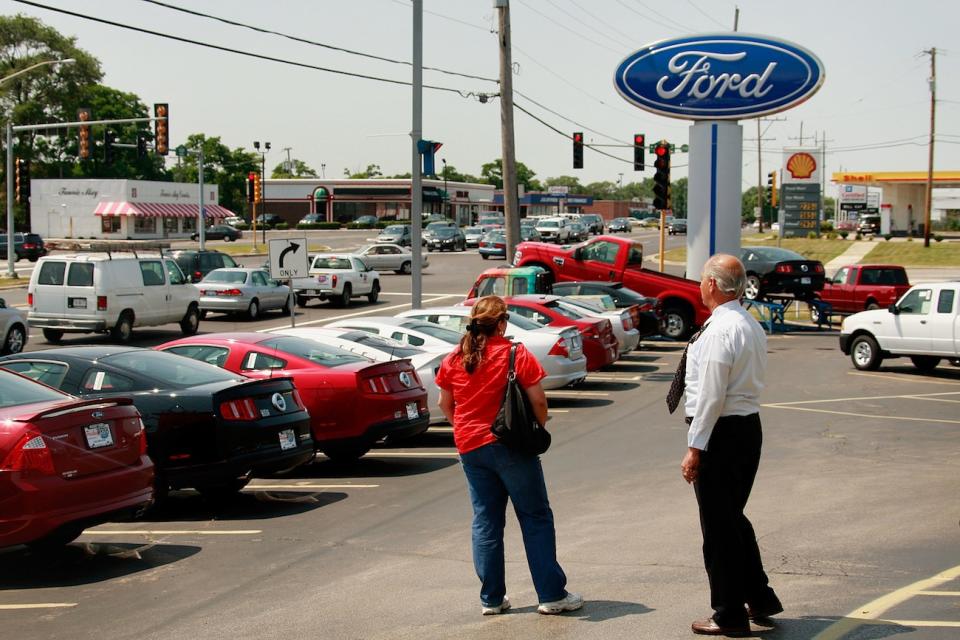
[(23, 189), (428, 149), (638, 159), (141, 146), (251, 181), (18, 180), (578, 150), (772, 189), (161, 129), (108, 140), (661, 179), (84, 115), (257, 188)]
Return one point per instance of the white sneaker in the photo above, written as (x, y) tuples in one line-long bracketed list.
[(572, 602), (492, 611)]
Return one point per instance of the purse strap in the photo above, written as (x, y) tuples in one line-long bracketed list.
[(511, 372)]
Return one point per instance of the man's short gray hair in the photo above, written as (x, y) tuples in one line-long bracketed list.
[(731, 278)]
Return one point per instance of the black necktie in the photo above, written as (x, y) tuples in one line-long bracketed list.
[(679, 378)]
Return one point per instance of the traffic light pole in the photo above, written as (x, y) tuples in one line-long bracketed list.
[(11, 251), (416, 181), (511, 207), (201, 217)]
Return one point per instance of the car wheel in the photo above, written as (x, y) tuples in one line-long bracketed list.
[(301, 301), (925, 363), (53, 336), (203, 314), (955, 362), (194, 237), (406, 267), (191, 321), (752, 290), (872, 305), (814, 314), (676, 323), (345, 296), (374, 292), (344, 452), (484, 256), (865, 353), (228, 238), (15, 340), (123, 330), (253, 310), (219, 491)]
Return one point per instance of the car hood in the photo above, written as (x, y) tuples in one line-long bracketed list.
[(871, 317)]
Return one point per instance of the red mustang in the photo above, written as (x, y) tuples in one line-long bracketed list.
[(600, 345), (66, 464), (353, 402)]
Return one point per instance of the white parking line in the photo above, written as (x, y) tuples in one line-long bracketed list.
[(169, 532), (901, 378), (863, 415), (378, 310), (613, 378), (926, 396), (576, 394), (38, 605)]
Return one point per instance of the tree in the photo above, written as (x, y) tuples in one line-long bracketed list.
[(372, 171), (604, 190), (296, 169), (492, 173), (449, 172), (678, 198), (571, 182), (221, 166)]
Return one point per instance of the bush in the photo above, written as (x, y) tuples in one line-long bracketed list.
[(844, 234), (812, 235), (826, 225), (281, 226), (938, 238), (318, 225), (887, 237), (909, 238), (357, 225), (241, 226), (859, 236), (831, 235)]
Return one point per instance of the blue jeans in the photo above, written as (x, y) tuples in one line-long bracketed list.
[(494, 473)]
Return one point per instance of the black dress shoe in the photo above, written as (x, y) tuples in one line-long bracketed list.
[(709, 627), (764, 612)]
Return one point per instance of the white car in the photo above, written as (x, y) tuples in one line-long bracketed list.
[(554, 230), (559, 350), (411, 331), (13, 328), (923, 325), (425, 360), (337, 277), (233, 220), (243, 290), (390, 257), (621, 321)]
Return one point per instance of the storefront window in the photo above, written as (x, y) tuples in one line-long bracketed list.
[(170, 225), (143, 224), (189, 225), (110, 224)]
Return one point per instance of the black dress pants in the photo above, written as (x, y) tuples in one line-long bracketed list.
[(730, 553)]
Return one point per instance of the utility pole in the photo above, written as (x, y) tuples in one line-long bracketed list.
[(416, 182), (760, 190), (289, 166), (511, 208), (933, 126), (736, 17)]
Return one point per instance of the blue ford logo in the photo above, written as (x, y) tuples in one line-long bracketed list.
[(719, 76)]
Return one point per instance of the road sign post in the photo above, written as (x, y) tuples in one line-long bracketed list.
[(288, 260)]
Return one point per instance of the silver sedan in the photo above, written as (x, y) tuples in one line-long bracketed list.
[(13, 329), (389, 257), (243, 290)]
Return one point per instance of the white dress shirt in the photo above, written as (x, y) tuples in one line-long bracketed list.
[(726, 367)]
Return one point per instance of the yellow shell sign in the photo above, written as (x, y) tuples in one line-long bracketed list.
[(801, 165)]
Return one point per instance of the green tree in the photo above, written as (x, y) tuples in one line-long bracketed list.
[(372, 171), (604, 190), (222, 166), (572, 182), (296, 169), (642, 190), (678, 198), (492, 173), (449, 172)]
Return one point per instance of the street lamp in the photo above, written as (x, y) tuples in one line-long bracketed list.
[(11, 252), (446, 196), (263, 177)]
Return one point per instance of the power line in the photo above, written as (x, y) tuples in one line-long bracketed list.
[(570, 120), (706, 15), (248, 54), (566, 28), (311, 42), (567, 135), (601, 21), (581, 23), (648, 16)]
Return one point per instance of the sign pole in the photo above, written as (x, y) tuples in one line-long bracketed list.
[(663, 239), (293, 308)]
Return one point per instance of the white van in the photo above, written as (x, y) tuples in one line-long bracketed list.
[(102, 292)]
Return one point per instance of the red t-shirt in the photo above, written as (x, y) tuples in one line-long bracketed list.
[(478, 395)]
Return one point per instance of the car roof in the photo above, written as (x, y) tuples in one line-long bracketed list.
[(80, 353), (242, 337)]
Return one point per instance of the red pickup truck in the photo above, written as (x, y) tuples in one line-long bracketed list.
[(863, 286), (613, 258)]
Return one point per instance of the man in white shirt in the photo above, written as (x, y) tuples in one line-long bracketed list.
[(725, 364)]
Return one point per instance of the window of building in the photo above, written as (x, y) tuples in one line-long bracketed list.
[(171, 225), (110, 224), (144, 224), (189, 225)]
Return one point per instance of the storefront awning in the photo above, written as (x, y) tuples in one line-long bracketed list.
[(159, 210)]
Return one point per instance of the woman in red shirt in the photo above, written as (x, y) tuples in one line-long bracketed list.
[(472, 381)]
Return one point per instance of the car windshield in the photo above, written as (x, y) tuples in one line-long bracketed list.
[(774, 253), (226, 277), (441, 333), (15, 391), (473, 230), (494, 236), (565, 311), (522, 322), (445, 232), (167, 369), (332, 262), (547, 224), (395, 230), (386, 345), (313, 351)]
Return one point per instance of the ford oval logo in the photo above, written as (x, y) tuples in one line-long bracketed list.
[(405, 379), (279, 402), (719, 76)]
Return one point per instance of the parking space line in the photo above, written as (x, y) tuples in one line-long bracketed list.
[(576, 394), (925, 396), (620, 378), (901, 378), (38, 605), (924, 623), (359, 313), (169, 532), (861, 415), (283, 487)]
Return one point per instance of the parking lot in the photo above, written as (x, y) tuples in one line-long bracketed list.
[(855, 508)]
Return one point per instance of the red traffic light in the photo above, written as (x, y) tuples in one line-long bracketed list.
[(252, 176), (578, 137), (638, 139), (661, 150)]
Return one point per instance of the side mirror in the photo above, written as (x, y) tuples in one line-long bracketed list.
[(894, 309), (578, 254)]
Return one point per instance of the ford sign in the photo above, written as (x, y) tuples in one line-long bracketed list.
[(719, 76)]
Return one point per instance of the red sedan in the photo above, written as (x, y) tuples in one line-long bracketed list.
[(353, 402), (67, 464), (600, 345)]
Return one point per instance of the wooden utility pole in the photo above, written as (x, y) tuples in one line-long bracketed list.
[(760, 197), (933, 126), (511, 207)]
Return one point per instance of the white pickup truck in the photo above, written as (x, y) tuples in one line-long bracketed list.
[(337, 277), (923, 325)]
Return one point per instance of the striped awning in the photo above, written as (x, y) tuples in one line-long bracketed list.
[(159, 210)]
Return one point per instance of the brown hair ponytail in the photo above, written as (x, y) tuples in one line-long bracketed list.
[(485, 318)]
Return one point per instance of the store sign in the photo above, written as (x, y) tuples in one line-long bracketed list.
[(801, 165), (719, 76), (800, 209)]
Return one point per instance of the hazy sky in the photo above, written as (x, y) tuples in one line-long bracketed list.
[(876, 89)]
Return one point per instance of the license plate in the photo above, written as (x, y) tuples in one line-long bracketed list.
[(98, 435), (288, 439), (804, 280), (78, 303), (412, 411)]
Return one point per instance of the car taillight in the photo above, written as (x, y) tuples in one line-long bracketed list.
[(784, 268), (30, 454), (29, 245), (818, 268), (101, 303), (499, 245), (143, 438), (333, 280), (592, 332), (29, 299), (297, 399), (231, 292), (197, 276), (245, 409), (560, 349), (626, 321)]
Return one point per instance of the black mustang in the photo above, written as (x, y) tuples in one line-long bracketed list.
[(206, 428), (776, 270)]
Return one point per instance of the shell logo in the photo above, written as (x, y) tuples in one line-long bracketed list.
[(801, 166)]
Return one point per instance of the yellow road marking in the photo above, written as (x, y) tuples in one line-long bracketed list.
[(953, 594), (862, 415), (900, 378), (924, 623), (38, 605), (169, 532), (873, 610), (274, 487), (926, 396)]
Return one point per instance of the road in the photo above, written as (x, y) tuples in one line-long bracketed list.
[(855, 508)]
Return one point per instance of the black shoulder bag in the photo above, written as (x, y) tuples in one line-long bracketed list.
[(515, 424)]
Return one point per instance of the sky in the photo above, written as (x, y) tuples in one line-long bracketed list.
[(876, 93)]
